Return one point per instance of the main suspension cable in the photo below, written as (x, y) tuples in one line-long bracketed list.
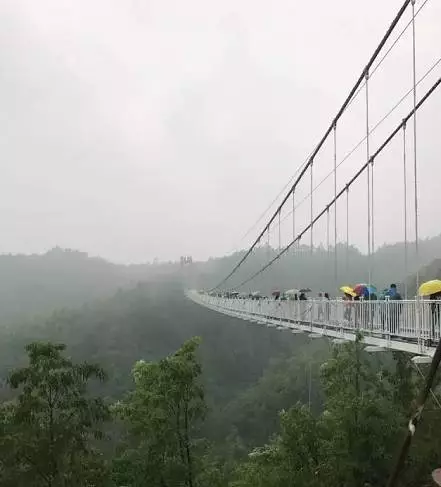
[(363, 139), (386, 54), (354, 178), (323, 139), (260, 218)]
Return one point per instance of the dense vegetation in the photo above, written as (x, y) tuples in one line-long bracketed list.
[(134, 399), (38, 284), (53, 433)]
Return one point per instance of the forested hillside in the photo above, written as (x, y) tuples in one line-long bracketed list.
[(427, 273), (39, 284), (149, 322), (136, 399), (169, 427)]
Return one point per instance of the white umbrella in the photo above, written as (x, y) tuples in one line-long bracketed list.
[(291, 292)]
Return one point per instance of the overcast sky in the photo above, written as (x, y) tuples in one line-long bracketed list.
[(135, 129)]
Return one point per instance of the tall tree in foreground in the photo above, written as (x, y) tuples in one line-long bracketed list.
[(361, 419), (46, 431), (292, 458), (161, 414), (350, 444)]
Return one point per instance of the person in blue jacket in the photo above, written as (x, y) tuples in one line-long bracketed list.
[(394, 309)]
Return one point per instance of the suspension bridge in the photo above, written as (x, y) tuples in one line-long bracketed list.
[(384, 324), (336, 194)]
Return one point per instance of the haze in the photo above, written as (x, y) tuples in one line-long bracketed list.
[(142, 129)]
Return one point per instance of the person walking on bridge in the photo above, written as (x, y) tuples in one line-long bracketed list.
[(327, 307), (435, 304), (348, 306), (394, 309), (320, 311)]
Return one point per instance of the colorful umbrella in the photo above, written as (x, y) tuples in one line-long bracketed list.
[(430, 287), (364, 290), (348, 290)]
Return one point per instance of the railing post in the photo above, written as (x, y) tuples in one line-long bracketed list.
[(418, 323)]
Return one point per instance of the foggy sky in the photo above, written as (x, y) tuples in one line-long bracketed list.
[(138, 129)]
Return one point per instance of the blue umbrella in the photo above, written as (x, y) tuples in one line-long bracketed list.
[(365, 290)]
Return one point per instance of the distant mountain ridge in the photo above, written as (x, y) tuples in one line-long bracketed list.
[(60, 278), (38, 284), (301, 268)]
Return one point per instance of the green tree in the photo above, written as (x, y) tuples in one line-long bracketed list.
[(162, 413), (360, 419), (404, 382), (46, 431), (350, 443), (292, 458)]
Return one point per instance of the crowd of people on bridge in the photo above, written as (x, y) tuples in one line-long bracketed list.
[(385, 307), (389, 315)]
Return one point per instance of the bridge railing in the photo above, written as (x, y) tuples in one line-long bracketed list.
[(406, 319)]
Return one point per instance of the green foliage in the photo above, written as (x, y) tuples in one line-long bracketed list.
[(50, 432), (293, 458), (360, 416), (352, 442), (151, 321), (39, 284), (161, 414), (253, 415), (46, 430), (221, 399)]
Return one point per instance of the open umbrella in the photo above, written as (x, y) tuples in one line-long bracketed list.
[(430, 287), (305, 290), (348, 290), (291, 292), (372, 289), (276, 294), (364, 290)]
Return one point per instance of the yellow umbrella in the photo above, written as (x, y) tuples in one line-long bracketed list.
[(348, 290), (430, 287)]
